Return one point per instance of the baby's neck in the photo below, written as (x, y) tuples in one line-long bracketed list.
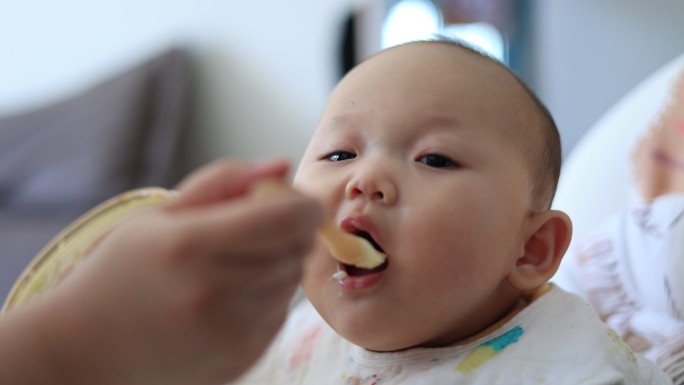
[(525, 300)]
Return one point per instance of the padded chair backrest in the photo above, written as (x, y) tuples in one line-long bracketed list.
[(597, 178)]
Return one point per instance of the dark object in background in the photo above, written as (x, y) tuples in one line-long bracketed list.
[(59, 161), (348, 56)]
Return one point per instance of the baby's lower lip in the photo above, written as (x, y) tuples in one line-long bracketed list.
[(354, 278), (360, 282)]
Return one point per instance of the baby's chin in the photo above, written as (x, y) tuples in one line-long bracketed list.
[(380, 337), (386, 342), (376, 342), (374, 334)]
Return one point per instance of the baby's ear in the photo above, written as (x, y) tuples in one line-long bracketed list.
[(547, 240)]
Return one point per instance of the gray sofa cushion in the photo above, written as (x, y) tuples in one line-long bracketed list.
[(119, 134), (59, 161)]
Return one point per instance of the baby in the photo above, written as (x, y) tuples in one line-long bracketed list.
[(631, 267), (447, 163)]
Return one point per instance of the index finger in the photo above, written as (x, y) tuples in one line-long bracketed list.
[(224, 180)]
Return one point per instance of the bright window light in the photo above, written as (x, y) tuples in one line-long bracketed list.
[(410, 20)]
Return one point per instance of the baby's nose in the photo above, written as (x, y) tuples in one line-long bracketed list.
[(372, 186)]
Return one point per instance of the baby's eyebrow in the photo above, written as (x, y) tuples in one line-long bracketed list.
[(346, 120), (430, 122), (438, 122)]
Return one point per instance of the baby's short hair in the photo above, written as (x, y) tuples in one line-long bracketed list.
[(540, 146)]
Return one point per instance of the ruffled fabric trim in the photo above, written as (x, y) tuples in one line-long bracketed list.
[(598, 269), (671, 359)]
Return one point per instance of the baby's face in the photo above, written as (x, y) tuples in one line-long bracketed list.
[(410, 152), (658, 160)]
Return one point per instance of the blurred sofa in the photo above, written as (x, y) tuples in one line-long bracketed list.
[(59, 161)]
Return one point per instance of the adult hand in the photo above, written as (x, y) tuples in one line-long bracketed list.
[(191, 293)]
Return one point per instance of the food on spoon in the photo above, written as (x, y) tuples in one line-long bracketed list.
[(350, 249)]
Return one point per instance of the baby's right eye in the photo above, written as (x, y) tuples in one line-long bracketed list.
[(338, 156)]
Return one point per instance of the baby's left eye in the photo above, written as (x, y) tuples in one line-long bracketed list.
[(338, 156), (437, 161)]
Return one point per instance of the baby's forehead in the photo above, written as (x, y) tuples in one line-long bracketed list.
[(442, 65), (434, 75)]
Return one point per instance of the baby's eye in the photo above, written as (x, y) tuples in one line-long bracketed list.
[(339, 156), (437, 161)]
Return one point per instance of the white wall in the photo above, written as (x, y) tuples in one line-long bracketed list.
[(589, 53), (265, 67)]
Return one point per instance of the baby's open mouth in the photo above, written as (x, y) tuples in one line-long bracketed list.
[(360, 271)]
